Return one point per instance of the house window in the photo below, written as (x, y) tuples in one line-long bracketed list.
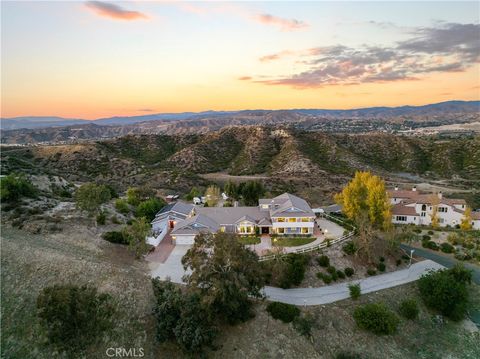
[(292, 219), (423, 214), (401, 218), (222, 229), (442, 209), (280, 219), (424, 207), (265, 206), (305, 230), (306, 219), (281, 230), (441, 220)]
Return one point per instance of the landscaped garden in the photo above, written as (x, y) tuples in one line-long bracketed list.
[(246, 240)]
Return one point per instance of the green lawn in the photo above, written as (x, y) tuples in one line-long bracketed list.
[(291, 241), (249, 239)]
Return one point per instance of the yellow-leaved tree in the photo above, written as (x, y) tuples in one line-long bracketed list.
[(435, 201), (466, 223), (366, 194), (365, 201)]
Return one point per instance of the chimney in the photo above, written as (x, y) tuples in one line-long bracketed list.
[(440, 195), (414, 188)]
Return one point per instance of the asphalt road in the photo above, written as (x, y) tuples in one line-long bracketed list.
[(444, 260)]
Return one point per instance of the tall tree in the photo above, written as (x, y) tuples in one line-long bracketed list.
[(136, 235), (466, 223), (251, 192), (225, 273), (366, 194), (435, 201), (90, 196), (213, 195), (231, 189)]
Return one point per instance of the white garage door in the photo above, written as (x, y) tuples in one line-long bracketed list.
[(184, 240)]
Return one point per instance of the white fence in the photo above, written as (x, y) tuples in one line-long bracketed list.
[(315, 246)]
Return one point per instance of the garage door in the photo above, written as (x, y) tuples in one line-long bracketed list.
[(184, 240)]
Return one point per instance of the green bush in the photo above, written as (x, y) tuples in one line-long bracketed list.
[(376, 318), (382, 259), (304, 324), (349, 271), (121, 206), (430, 233), (446, 290), (327, 279), (323, 261), (355, 291), (426, 237), (417, 230), (101, 218), (398, 262), (430, 245), (409, 309), (381, 267), (149, 208), (371, 271), (334, 276), (447, 248), (347, 355), (115, 237), (331, 269), (340, 274), (282, 311), (15, 186), (74, 317), (349, 248)]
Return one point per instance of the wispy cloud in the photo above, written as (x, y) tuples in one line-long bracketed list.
[(114, 11), (283, 24), (447, 48), (247, 14)]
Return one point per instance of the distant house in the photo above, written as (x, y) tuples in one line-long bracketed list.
[(283, 215), (413, 207)]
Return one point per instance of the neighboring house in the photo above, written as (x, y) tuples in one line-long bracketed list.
[(167, 218), (283, 215), (413, 207)]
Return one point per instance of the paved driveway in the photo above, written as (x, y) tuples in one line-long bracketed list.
[(172, 268), (444, 260), (336, 292), (334, 230)]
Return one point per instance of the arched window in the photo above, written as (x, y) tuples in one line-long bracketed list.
[(424, 207)]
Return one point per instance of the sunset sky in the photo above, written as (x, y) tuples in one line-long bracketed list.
[(98, 59)]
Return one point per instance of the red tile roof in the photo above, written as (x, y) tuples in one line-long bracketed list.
[(402, 210)]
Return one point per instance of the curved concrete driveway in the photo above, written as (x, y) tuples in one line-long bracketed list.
[(444, 260), (336, 292)]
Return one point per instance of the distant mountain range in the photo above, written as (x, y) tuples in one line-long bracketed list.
[(449, 107)]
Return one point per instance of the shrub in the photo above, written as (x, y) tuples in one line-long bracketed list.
[(340, 274), (325, 277), (304, 324), (430, 233), (371, 271), (447, 248), (121, 206), (323, 261), (101, 218), (430, 244), (409, 309), (349, 271), (355, 291), (446, 290), (74, 317), (382, 259), (282, 311), (417, 230), (381, 267), (115, 220), (331, 269), (426, 237), (398, 262), (115, 237), (334, 276), (15, 186), (349, 248), (376, 318), (347, 355), (149, 208)]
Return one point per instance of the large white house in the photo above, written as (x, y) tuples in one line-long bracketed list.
[(283, 215), (413, 207)]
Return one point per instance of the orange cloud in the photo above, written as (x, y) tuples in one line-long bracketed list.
[(284, 24), (114, 11)]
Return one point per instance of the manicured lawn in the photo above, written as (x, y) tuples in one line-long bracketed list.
[(249, 239), (291, 241)]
